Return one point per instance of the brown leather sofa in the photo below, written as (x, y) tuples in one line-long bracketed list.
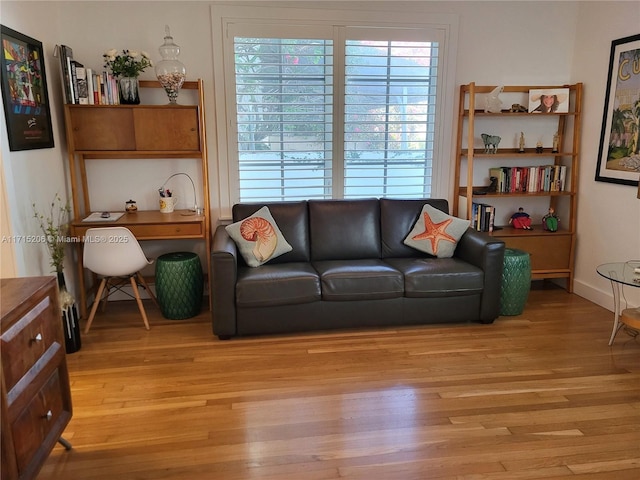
[(350, 268)]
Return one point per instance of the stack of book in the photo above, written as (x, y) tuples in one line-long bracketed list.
[(482, 217), (82, 85), (545, 178)]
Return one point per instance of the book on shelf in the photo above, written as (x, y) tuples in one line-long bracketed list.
[(82, 84), (64, 54), (90, 86), (74, 65)]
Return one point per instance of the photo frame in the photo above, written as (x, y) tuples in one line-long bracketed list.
[(24, 90), (552, 100), (619, 152)]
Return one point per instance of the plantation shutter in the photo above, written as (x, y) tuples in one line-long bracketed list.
[(344, 112), (284, 99), (389, 120)]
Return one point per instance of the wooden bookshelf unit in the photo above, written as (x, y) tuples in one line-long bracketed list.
[(552, 253)]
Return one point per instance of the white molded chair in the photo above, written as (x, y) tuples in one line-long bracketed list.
[(114, 254)]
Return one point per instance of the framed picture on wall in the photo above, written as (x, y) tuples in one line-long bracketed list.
[(24, 92), (619, 152)]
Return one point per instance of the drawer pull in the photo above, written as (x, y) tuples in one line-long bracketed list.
[(49, 415), (37, 338)]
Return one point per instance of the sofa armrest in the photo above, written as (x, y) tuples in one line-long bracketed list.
[(224, 273), (486, 253)]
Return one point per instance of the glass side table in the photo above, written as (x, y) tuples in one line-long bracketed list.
[(621, 274)]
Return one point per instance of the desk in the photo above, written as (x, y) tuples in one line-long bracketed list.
[(145, 225), (620, 274)]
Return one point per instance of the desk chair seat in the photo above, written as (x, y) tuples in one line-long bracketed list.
[(114, 254)]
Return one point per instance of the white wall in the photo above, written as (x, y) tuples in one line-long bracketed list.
[(608, 214), (499, 43), (34, 176)]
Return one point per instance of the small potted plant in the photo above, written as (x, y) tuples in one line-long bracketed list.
[(54, 225)]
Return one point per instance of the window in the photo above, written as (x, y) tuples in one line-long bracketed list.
[(284, 117), (333, 111), (389, 120)]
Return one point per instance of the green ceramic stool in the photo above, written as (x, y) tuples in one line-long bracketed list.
[(179, 285), (516, 281)]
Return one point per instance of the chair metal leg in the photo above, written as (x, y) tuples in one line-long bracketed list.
[(134, 285), (65, 443), (143, 282), (96, 302)]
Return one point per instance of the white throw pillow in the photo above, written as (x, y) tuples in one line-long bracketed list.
[(436, 233), (258, 238)]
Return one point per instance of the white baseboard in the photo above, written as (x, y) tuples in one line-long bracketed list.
[(597, 296)]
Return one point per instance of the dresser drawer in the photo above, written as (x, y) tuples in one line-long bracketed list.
[(26, 340), (43, 417)]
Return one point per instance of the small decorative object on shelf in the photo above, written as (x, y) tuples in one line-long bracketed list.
[(517, 108), (556, 143), (521, 143), (550, 220), (170, 71), (521, 219), (492, 187), (131, 207), (493, 104), (491, 142), (539, 147), (126, 67)]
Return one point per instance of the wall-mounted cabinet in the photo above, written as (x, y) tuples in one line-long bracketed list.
[(530, 144)]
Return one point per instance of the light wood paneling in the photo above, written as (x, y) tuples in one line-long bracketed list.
[(535, 396)]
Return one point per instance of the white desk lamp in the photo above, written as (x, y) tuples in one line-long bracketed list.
[(195, 210)]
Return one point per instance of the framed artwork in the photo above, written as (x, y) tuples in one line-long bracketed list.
[(24, 92), (553, 100), (619, 152)]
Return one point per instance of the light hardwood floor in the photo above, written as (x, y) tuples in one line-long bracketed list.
[(535, 396)]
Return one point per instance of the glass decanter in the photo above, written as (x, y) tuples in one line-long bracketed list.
[(170, 71)]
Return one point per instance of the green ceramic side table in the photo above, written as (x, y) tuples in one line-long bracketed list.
[(179, 285), (516, 281)]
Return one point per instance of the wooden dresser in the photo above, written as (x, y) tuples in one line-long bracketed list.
[(36, 398)]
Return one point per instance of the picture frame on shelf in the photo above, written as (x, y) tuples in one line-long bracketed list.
[(619, 151), (24, 90), (553, 100)]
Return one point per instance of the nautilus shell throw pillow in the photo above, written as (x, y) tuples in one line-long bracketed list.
[(436, 233), (258, 238)]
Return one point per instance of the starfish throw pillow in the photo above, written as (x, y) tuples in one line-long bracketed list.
[(436, 233), (258, 238)]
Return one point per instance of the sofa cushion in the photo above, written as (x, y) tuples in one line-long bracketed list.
[(258, 238), (292, 219), (278, 284), (397, 217), (436, 233), (370, 279), (438, 277), (344, 229)]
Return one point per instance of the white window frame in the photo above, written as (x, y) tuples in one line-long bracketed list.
[(226, 18)]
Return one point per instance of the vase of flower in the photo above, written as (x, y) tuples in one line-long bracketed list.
[(126, 67), (128, 90), (54, 227)]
